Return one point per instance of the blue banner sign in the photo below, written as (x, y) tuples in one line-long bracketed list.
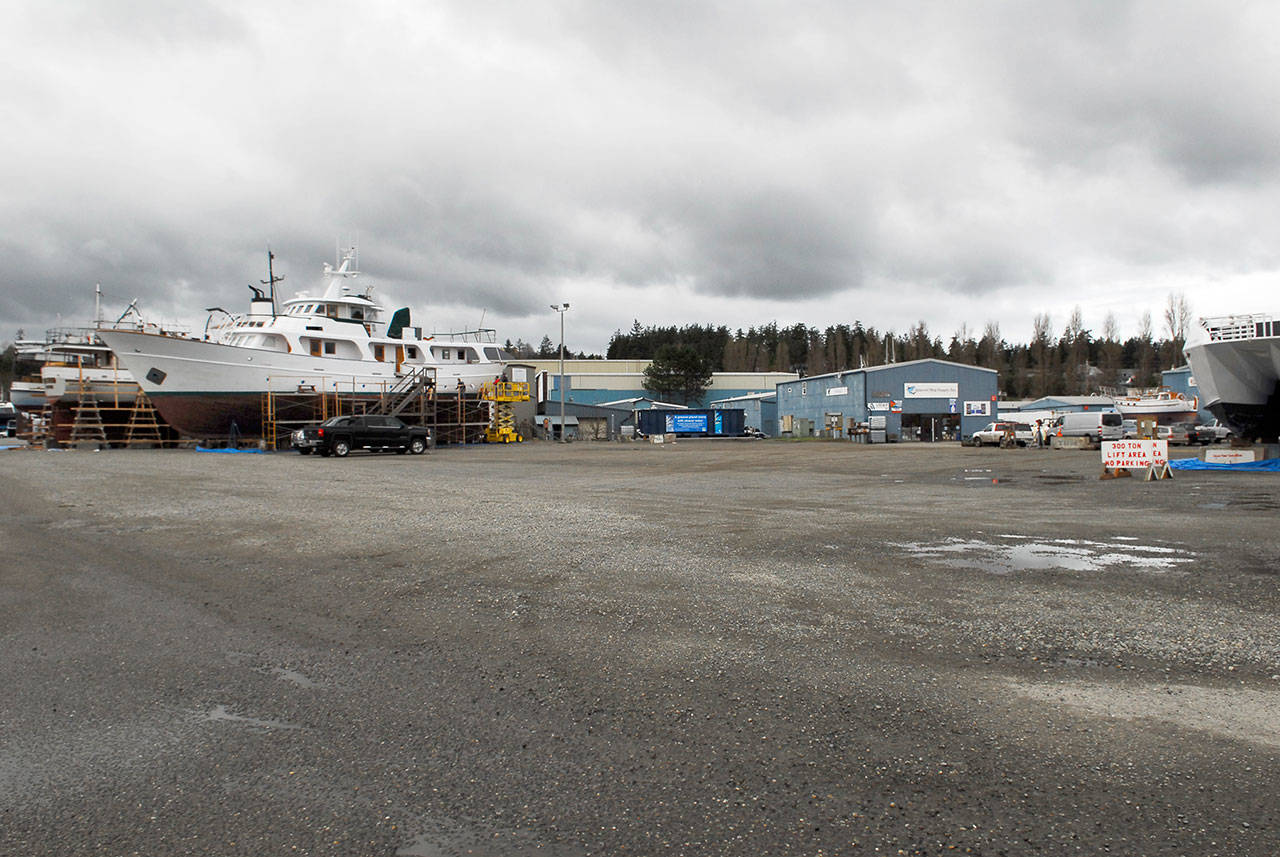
[(683, 423)]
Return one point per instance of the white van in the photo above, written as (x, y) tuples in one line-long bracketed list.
[(1098, 425)]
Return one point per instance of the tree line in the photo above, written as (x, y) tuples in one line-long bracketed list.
[(1074, 361)]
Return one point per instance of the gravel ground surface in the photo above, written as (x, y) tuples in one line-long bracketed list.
[(740, 648)]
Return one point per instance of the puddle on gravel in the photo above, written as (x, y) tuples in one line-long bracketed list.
[(1014, 553), (292, 676), (222, 714)]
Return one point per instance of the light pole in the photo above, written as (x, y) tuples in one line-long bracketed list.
[(562, 309)]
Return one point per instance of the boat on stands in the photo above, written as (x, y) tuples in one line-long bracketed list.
[(78, 370), (1162, 403), (333, 341), (1235, 363)]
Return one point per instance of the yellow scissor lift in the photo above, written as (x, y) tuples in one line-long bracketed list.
[(502, 418)]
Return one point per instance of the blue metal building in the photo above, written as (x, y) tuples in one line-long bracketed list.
[(760, 410), (918, 400), (1180, 380)]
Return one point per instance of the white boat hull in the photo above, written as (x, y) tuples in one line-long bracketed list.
[(60, 381), (27, 395), (1163, 407), (207, 389)]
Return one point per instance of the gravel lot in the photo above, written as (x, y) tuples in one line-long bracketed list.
[(740, 648)]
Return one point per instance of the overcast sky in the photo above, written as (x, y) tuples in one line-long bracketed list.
[(667, 162)]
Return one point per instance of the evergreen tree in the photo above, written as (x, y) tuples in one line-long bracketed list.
[(678, 372)]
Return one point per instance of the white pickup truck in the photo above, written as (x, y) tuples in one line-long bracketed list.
[(994, 433)]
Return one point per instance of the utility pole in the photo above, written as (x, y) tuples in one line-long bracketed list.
[(562, 309)]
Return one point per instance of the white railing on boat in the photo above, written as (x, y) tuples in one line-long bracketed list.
[(1231, 327), (483, 334)]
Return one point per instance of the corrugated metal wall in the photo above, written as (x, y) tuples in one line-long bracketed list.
[(921, 388)]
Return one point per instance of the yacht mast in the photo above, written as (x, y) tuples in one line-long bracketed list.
[(271, 281)]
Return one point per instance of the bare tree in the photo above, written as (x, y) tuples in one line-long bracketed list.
[(1177, 317), (990, 345), (1042, 352), (1111, 328), (1111, 351), (1075, 341), (1145, 352)]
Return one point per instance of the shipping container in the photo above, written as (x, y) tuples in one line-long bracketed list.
[(717, 422)]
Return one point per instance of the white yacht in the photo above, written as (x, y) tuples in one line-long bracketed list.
[(1160, 402), (77, 368), (335, 342), (74, 360), (1235, 361)]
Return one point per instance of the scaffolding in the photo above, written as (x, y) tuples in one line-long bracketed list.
[(88, 424), (91, 412), (451, 417), (144, 425)]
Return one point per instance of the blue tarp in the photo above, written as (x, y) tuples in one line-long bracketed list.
[(205, 449), (1269, 465)]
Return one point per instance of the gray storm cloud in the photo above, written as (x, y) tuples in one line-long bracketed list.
[(744, 156)]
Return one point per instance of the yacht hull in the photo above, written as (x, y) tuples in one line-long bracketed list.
[(210, 390), (27, 395), (1237, 381)]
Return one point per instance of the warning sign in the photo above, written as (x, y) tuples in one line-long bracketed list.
[(1134, 454)]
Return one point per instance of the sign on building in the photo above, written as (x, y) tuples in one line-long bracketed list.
[(977, 409), (837, 391), (930, 390)]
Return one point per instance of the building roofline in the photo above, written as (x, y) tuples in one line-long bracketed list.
[(750, 397), (885, 366)]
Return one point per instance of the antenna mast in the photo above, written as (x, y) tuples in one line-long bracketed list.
[(271, 280)]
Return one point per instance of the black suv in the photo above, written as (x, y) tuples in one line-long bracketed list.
[(339, 435)]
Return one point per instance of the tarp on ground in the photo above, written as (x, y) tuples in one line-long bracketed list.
[(1268, 465), (206, 449)]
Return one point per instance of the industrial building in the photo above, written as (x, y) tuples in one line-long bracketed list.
[(760, 410), (923, 400), (595, 382)]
